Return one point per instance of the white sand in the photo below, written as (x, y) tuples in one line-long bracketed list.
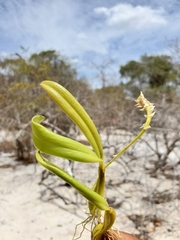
[(25, 213), (23, 216)]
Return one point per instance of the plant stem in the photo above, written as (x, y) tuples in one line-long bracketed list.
[(124, 149)]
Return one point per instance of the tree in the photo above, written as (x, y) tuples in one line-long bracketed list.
[(152, 71), (21, 97), (21, 77), (106, 104)]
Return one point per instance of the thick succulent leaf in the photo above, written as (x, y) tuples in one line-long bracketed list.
[(86, 192), (54, 144), (75, 112)]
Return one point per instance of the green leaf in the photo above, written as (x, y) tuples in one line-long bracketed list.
[(51, 143), (75, 112), (86, 192)]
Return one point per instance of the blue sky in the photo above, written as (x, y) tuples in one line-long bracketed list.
[(94, 34)]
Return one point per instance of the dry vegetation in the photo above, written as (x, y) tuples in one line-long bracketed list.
[(144, 185)]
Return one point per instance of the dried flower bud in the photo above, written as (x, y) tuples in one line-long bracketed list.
[(144, 104)]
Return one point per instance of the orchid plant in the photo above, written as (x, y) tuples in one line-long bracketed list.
[(45, 141)]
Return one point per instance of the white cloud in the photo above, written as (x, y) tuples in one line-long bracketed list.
[(82, 36), (126, 16), (55, 24), (65, 26), (88, 31), (42, 24)]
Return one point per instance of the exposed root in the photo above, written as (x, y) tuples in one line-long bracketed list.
[(111, 234), (84, 223), (94, 221)]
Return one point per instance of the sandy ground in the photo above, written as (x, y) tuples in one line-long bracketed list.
[(23, 215), (29, 211)]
